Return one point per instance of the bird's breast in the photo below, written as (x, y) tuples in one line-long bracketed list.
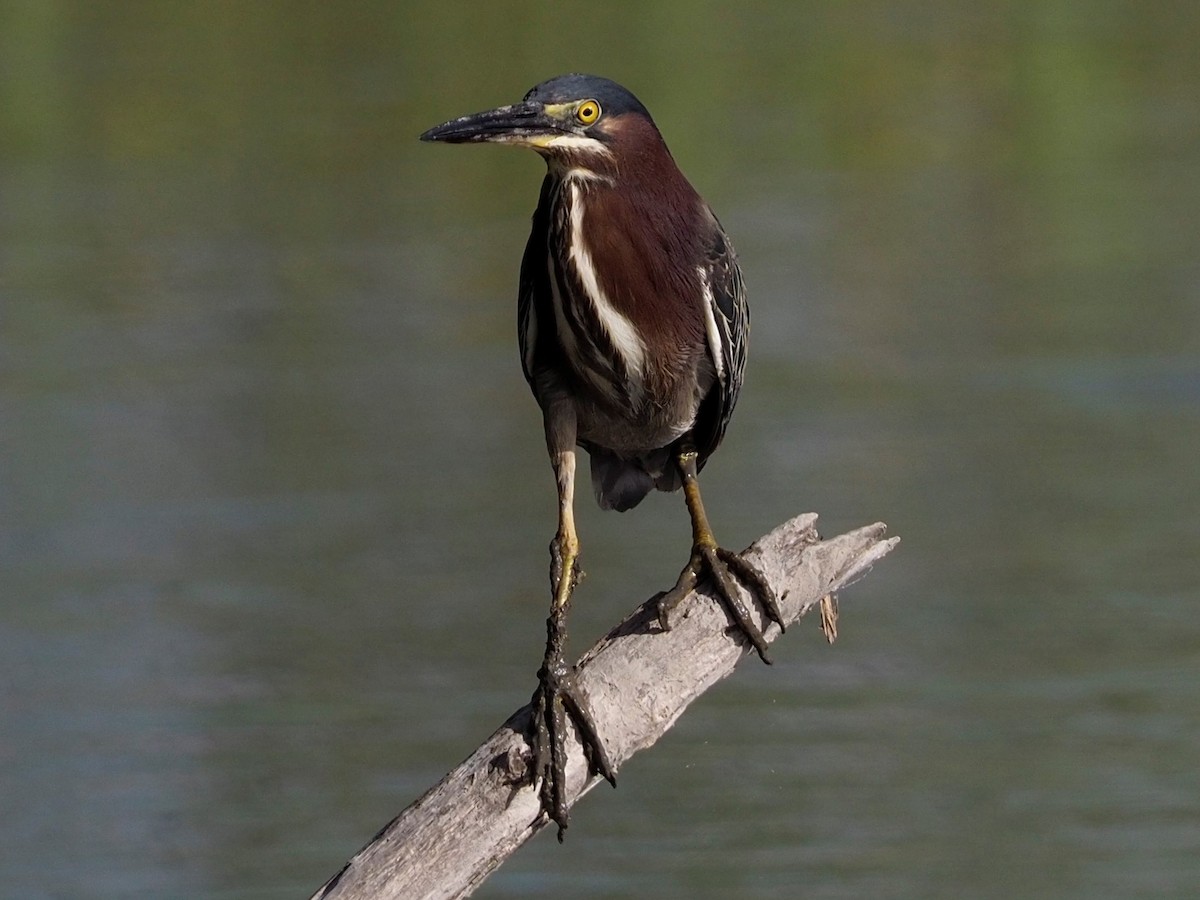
[(625, 320)]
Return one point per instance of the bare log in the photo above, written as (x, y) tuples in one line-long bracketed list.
[(639, 679)]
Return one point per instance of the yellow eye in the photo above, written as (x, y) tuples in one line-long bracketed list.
[(587, 112)]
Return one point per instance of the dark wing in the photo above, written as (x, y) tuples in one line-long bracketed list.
[(727, 318), (533, 295)]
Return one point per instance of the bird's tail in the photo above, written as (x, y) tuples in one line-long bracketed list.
[(622, 484)]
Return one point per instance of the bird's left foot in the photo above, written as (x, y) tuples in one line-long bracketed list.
[(726, 569), (558, 696)]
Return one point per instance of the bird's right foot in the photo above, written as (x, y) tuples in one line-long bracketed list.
[(558, 696), (726, 569)]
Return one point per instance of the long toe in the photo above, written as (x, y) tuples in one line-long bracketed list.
[(755, 581), (727, 569), (668, 600), (557, 698)]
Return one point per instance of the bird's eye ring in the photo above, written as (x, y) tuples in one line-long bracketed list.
[(587, 112)]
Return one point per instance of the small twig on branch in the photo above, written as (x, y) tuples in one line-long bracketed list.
[(639, 679)]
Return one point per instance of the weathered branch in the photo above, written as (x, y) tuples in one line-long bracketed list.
[(639, 680)]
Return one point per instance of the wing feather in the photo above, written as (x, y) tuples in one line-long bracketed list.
[(531, 304), (727, 316)]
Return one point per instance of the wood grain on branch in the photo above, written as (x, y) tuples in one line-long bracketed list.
[(639, 679)]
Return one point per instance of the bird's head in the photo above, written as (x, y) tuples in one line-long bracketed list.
[(570, 120)]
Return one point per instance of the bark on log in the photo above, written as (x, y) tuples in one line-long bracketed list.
[(639, 680)]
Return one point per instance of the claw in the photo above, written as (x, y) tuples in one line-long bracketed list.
[(558, 696), (754, 580), (726, 569)]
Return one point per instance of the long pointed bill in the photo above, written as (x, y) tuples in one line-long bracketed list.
[(522, 123)]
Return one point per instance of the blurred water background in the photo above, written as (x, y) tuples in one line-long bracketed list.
[(274, 503)]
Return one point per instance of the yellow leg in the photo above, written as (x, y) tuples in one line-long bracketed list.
[(558, 695), (702, 535), (725, 568), (564, 551)]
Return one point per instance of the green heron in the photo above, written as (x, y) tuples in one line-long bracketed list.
[(632, 321)]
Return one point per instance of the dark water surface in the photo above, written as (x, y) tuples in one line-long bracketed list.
[(273, 496)]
